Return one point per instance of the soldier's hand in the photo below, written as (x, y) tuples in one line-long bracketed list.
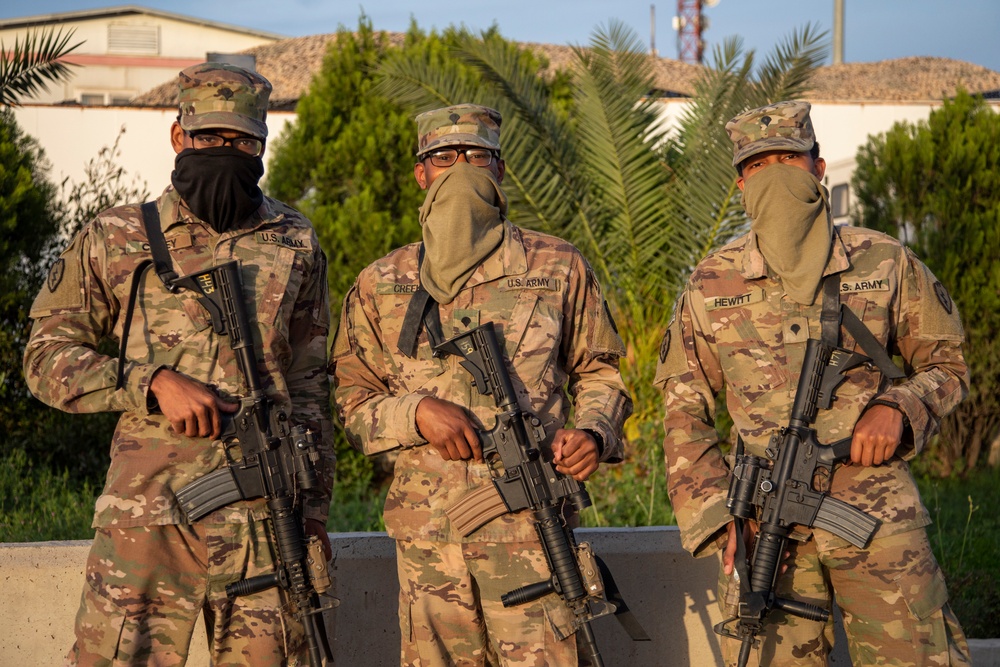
[(876, 435), (317, 528), (191, 408), (575, 453), (729, 555), (749, 533), (448, 429)]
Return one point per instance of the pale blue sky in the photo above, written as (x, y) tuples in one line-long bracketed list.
[(874, 29)]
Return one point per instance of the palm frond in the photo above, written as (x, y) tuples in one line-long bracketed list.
[(33, 64), (616, 129)]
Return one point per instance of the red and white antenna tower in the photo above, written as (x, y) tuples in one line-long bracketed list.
[(690, 24)]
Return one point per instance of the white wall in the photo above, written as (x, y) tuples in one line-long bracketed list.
[(72, 136), (125, 73)]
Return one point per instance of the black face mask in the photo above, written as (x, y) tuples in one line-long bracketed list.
[(219, 185)]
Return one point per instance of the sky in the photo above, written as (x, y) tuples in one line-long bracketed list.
[(873, 29)]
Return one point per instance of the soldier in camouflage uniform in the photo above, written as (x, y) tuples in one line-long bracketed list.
[(151, 574), (394, 395), (741, 325)]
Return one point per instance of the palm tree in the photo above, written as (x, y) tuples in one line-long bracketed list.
[(642, 202), (643, 207), (33, 64)]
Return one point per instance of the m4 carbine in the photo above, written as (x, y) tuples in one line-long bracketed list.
[(779, 493), (525, 478), (276, 461)]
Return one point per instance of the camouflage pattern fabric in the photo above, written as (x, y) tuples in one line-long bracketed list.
[(143, 597), (735, 329), (446, 585), (785, 125), (552, 319), (218, 95), (911, 625), (84, 301), (556, 333), (459, 125)]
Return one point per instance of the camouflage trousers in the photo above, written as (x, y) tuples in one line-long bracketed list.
[(892, 597), (147, 586), (450, 612)]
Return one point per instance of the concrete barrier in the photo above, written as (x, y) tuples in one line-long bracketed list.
[(671, 594)]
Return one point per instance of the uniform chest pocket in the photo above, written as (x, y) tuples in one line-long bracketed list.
[(747, 361), (533, 338), (276, 285), (168, 319)]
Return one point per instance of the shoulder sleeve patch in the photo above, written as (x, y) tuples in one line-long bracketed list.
[(672, 359), (937, 315), (65, 287)]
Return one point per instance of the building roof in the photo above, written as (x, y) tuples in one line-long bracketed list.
[(915, 79), (290, 64), (125, 10)]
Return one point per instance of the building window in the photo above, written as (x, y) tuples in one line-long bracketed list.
[(129, 38), (840, 200), (92, 99)]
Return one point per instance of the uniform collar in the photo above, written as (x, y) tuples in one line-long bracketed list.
[(510, 259), (174, 212), (755, 267)]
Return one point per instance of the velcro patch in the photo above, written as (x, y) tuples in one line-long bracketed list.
[(64, 290), (407, 289), (274, 238), (735, 301), (527, 282), (174, 242), (872, 285)]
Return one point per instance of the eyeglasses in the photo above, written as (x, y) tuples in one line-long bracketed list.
[(477, 157), (249, 145)]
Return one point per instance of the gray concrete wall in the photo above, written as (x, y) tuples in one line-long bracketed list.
[(672, 595)]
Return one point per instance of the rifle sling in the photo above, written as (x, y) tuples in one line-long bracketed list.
[(835, 313), (422, 310), (164, 269)]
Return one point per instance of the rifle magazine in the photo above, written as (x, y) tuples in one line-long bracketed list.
[(846, 521), (208, 493), (476, 509)]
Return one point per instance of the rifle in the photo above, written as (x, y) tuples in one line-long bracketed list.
[(779, 492), (277, 462), (524, 477)]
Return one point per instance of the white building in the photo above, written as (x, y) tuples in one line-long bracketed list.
[(851, 101), (128, 50)]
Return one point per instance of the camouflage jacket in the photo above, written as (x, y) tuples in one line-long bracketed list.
[(734, 329), (556, 331), (86, 299)]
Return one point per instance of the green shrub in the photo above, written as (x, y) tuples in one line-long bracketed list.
[(37, 504), (964, 537)]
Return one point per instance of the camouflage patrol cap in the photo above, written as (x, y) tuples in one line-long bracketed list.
[(462, 124), (784, 125), (219, 95)]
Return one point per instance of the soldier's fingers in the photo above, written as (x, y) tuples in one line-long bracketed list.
[(729, 555), (475, 447)]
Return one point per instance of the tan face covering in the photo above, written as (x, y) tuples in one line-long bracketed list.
[(791, 216), (462, 219)]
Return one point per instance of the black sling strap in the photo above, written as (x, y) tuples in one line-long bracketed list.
[(158, 246), (423, 309), (164, 268), (835, 313)]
